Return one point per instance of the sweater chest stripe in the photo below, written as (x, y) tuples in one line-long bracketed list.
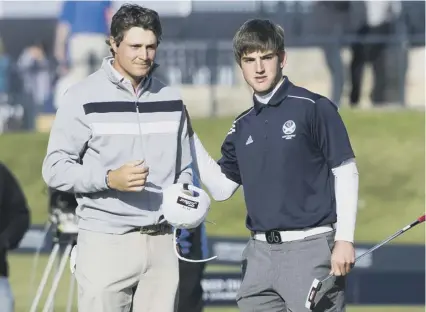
[(120, 128), (123, 107)]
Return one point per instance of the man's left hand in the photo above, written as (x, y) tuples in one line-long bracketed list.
[(342, 258)]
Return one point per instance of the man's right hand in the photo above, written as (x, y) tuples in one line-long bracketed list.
[(131, 177)]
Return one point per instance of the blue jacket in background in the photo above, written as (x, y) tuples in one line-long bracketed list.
[(86, 16)]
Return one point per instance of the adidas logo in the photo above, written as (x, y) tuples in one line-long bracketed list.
[(249, 140)]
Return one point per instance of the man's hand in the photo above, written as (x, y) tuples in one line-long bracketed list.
[(342, 258), (130, 177)]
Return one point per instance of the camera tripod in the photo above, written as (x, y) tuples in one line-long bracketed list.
[(64, 237)]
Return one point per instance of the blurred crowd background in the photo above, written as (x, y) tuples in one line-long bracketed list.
[(361, 54)]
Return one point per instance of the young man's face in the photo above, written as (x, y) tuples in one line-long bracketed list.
[(262, 70), (136, 53)]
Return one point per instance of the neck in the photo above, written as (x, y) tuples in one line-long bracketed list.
[(264, 97)]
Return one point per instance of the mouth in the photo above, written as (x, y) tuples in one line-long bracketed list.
[(143, 65), (260, 79)]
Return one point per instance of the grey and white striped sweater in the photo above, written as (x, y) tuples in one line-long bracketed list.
[(101, 125)]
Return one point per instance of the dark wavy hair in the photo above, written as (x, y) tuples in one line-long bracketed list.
[(133, 15)]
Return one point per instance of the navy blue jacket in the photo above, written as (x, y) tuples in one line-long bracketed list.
[(282, 153)]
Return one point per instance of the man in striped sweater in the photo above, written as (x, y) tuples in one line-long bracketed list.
[(120, 137)]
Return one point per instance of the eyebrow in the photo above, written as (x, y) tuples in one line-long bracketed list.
[(247, 58), (141, 44)]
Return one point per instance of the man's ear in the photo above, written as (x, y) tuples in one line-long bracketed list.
[(113, 44), (282, 56)]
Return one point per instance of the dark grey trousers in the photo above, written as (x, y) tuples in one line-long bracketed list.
[(277, 278)]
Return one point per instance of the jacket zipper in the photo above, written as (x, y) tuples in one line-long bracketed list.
[(140, 129), (140, 136), (137, 113)]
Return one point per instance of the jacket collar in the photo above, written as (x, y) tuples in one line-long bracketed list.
[(116, 78), (278, 97)]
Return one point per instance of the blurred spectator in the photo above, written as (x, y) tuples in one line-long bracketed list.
[(5, 70), (35, 70), (382, 18), (14, 223), (80, 35), (333, 19), (4, 73), (83, 27)]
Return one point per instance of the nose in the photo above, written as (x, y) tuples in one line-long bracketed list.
[(143, 53), (259, 66)]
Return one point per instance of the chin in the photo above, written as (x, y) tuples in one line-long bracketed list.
[(262, 89), (140, 73)]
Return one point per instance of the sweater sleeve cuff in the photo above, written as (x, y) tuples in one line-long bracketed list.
[(101, 180)]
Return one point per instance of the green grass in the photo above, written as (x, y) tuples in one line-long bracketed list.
[(391, 159)]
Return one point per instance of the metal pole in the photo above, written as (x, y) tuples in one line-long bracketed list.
[(45, 277)]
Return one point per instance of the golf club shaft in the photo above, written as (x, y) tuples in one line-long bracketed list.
[(401, 231), (379, 245), (314, 290), (387, 240)]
